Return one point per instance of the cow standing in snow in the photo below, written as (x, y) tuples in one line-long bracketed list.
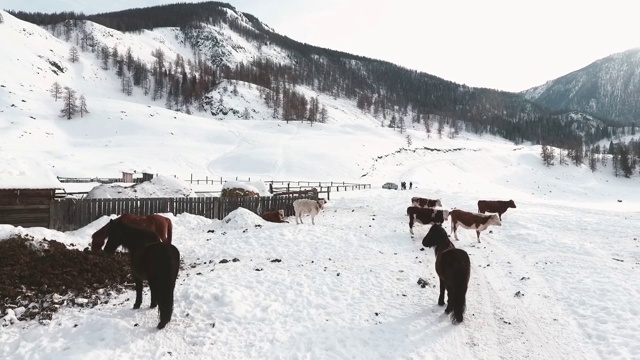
[(495, 206), (306, 206)]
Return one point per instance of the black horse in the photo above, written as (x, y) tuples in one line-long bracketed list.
[(151, 260), (453, 268)]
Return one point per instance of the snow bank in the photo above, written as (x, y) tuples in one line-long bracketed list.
[(159, 186)]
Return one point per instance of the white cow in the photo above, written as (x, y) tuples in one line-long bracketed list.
[(306, 206)]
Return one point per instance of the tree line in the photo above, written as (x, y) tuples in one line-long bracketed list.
[(623, 157)]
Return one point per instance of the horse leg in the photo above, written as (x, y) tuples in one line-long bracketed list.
[(138, 302), (154, 297), (411, 224), (441, 297), (478, 235), (449, 307), (312, 221)]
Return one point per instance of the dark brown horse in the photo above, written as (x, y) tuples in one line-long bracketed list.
[(453, 268), (159, 224), (151, 260)]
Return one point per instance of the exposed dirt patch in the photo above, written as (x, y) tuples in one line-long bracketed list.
[(37, 277)]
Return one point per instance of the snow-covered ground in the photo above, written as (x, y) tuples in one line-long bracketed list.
[(345, 288)]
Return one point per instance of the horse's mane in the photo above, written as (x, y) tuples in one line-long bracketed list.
[(442, 246)]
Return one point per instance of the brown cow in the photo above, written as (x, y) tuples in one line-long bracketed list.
[(426, 216), (469, 220), (495, 206), (276, 216), (425, 203)]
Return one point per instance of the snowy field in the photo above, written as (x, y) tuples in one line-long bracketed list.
[(347, 288), (557, 281)]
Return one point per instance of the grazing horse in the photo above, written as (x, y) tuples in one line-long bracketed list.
[(453, 268), (158, 223), (151, 260)]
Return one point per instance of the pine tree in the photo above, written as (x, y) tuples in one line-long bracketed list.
[(56, 90), (548, 155), (624, 160), (70, 107), (83, 106), (104, 57), (409, 141), (127, 86), (562, 159), (427, 125), (73, 54), (615, 162), (323, 114), (440, 129), (577, 156)]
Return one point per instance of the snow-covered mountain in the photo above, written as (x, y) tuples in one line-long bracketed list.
[(200, 44), (608, 88)]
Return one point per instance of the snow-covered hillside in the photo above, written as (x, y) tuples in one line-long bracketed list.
[(556, 281)]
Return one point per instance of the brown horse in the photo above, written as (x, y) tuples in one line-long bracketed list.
[(453, 268), (156, 223)]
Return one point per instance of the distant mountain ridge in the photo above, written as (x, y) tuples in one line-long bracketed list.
[(607, 88), (241, 47)]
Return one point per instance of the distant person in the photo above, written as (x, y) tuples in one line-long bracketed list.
[(410, 185)]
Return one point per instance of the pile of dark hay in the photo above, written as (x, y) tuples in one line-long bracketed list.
[(37, 277)]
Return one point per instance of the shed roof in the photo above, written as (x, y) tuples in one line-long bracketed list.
[(26, 173)]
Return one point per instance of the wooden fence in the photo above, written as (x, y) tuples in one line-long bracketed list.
[(70, 214)]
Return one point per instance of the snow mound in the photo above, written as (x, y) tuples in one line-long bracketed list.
[(243, 218), (258, 187), (159, 186)]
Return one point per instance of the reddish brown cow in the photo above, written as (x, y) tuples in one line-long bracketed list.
[(276, 216), (469, 220), (426, 216), (425, 203), (495, 206)]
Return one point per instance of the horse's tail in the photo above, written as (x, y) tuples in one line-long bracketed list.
[(169, 231), (460, 280), (168, 262)]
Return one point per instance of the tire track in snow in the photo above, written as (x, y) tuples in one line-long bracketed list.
[(509, 297)]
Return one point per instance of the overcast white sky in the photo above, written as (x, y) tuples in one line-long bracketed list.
[(502, 44)]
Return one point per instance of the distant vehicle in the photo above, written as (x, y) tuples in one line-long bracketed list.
[(390, 186)]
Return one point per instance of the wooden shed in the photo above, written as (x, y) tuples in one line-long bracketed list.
[(127, 177), (146, 176), (27, 189)]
